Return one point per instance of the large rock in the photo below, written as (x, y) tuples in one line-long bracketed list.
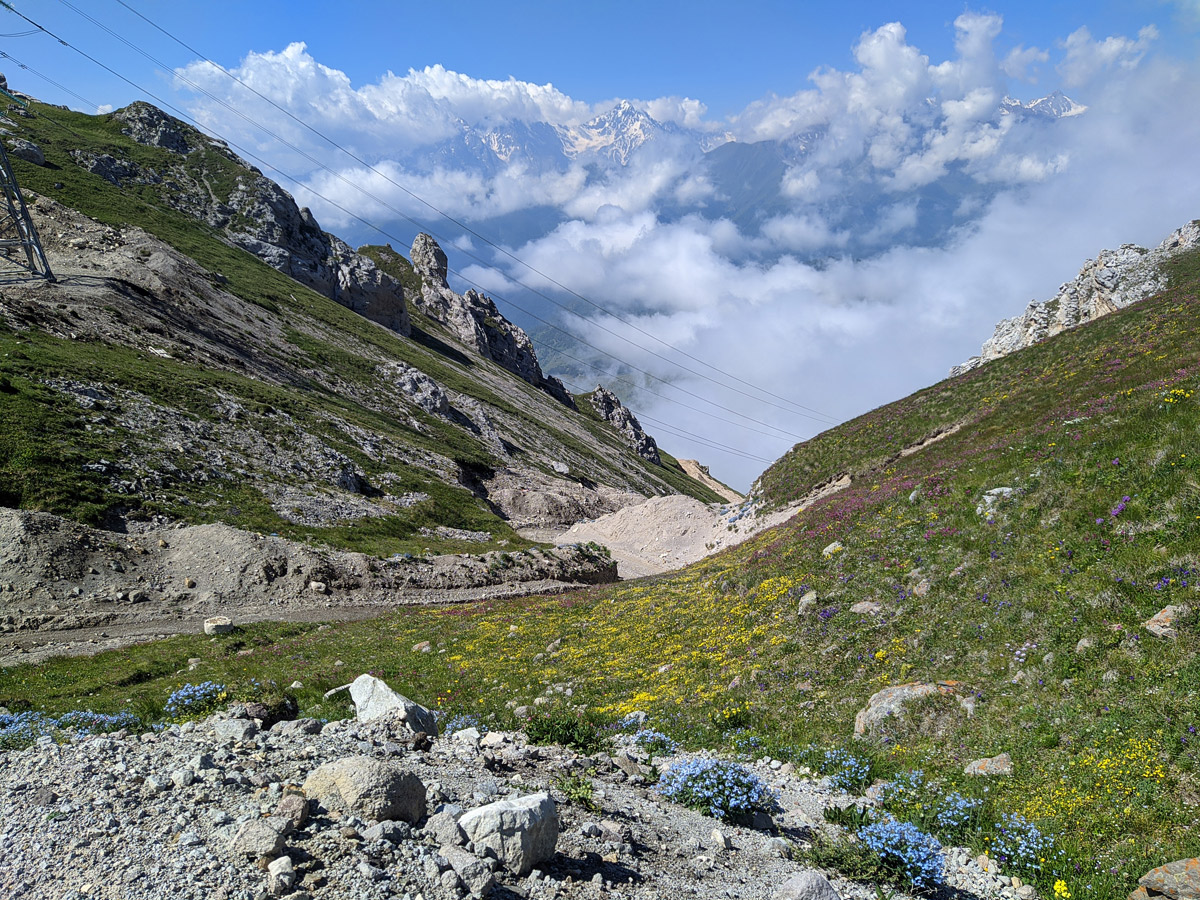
[(992, 765), (809, 885), (369, 788), (474, 320), (373, 699), (1162, 623), (625, 423), (1111, 281), (26, 150), (519, 833), (891, 701), (1179, 880)]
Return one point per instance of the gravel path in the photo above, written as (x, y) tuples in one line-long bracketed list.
[(127, 817)]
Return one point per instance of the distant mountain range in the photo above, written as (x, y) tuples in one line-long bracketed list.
[(742, 180)]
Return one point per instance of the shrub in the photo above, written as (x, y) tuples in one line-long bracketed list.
[(911, 798), (723, 790), (578, 789), (1021, 846), (655, 742), (910, 856), (580, 730), (18, 730), (195, 700), (461, 722), (846, 771)]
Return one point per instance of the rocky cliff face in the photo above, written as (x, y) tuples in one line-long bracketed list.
[(474, 319), (616, 414), (212, 183), (1111, 281)]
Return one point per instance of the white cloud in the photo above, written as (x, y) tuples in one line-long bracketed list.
[(1027, 199), (1086, 58), (1021, 63)]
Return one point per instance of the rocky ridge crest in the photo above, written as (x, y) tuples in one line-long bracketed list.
[(625, 423), (255, 214), (474, 319), (1111, 281)]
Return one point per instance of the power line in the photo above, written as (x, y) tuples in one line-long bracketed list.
[(386, 234), (450, 218)]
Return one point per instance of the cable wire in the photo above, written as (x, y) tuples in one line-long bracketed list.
[(386, 234), (460, 224)]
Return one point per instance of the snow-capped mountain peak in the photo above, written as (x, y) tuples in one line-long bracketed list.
[(1056, 106), (615, 134)]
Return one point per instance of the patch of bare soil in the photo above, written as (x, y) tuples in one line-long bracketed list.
[(702, 475), (67, 588), (667, 533)]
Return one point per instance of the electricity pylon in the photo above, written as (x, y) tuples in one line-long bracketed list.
[(16, 228)]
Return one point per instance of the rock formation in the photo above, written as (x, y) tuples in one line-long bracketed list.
[(1111, 281), (474, 319), (256, 214), (616, 414)]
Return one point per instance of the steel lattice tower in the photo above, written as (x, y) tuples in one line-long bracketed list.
[(16, 228)]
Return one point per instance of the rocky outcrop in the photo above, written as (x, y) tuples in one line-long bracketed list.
[(474, 320), (254, 212), (616, 414), (1111, 281)]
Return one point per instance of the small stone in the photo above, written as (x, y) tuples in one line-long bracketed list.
[(281, 876), (835, 547), (721, 840), (422, 647), (475, 874), (1162, 623), (318, 587), (256, 839), (293, 807), (809, 885), (994, 765)]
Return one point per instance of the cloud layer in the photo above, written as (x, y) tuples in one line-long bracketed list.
[(895, 212)]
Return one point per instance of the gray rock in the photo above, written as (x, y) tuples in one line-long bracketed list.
[(625, 423), (218, 625), (1112, 281), (1162, 623), (234, 729), (994, 765), (294, 808), (369, 788), (809, 885), (26, 150), (444, 829), (374, 699), (256, 839), (474, 872), (519, 833), (891, 700), (281, 876), (475, 321), (392, 832)]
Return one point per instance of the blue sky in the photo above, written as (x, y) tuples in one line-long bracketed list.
[(839, 304), (723, 55)]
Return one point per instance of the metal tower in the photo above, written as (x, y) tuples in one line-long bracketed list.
[(16, 228)]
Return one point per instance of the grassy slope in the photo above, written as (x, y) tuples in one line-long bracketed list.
[(43, 445), (1102, 737)]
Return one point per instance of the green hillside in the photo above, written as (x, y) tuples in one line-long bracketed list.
[(297, 370)]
